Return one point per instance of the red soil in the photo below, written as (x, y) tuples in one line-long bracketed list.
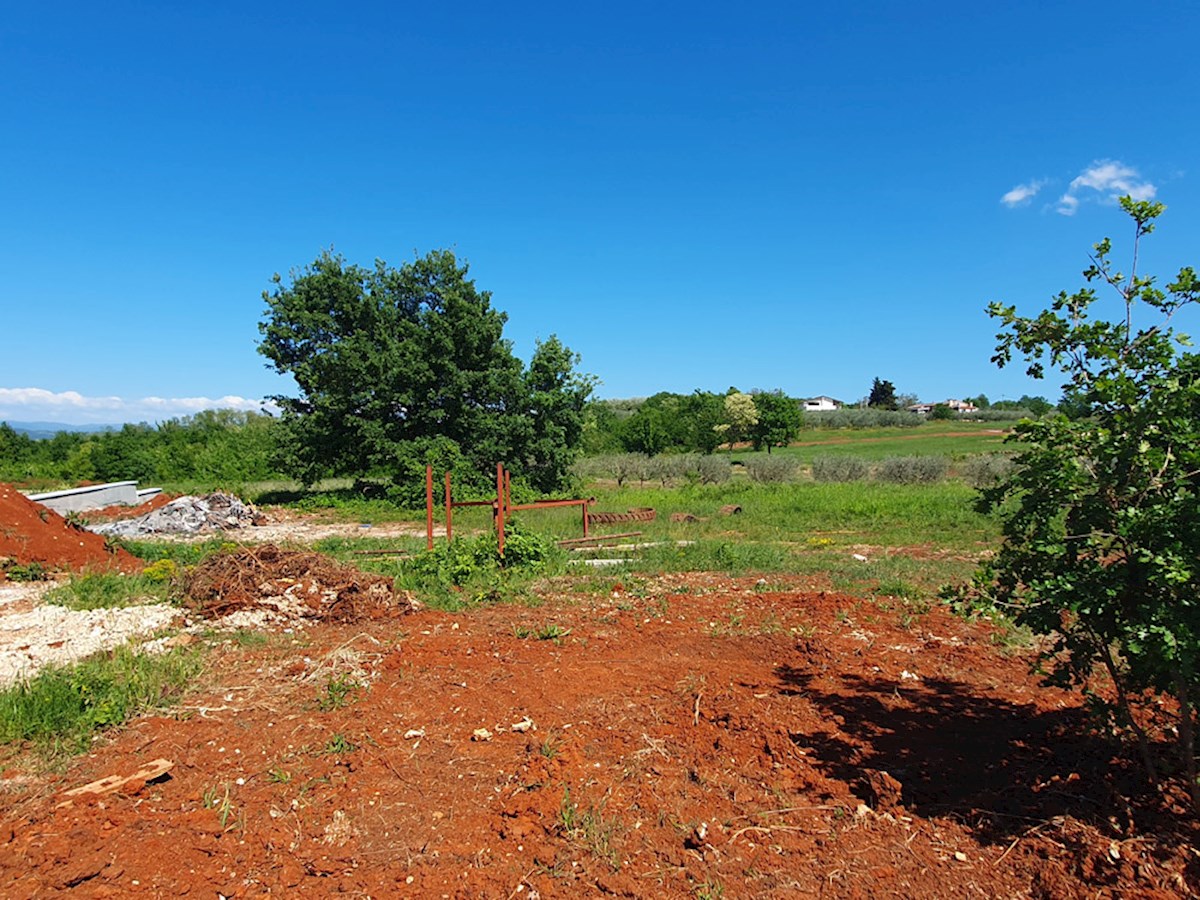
[(121, 511), (695, 735), (31, 533)]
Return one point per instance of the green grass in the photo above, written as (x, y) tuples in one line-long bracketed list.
[(853, 513), (955, 440), (109, 590), (176, 551), (60, 708)]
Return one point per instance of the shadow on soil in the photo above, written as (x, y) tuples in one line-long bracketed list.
[(999, 768)]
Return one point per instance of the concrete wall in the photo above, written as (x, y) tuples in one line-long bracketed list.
[(95, 496)]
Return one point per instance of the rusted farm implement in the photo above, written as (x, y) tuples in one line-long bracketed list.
[(503, 507)]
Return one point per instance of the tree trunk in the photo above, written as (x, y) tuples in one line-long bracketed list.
[(1187, 739)]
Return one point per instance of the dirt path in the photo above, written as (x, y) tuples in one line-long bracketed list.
[(694, 736)]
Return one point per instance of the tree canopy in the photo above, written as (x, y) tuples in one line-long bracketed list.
[(883, 395), (396, 367)]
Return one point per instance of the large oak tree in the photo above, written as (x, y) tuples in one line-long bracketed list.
[(396, 367)]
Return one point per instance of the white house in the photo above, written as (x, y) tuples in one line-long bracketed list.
[(821, 404), (959, 406)]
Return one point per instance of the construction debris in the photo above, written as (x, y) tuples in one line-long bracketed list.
[(187, 515)]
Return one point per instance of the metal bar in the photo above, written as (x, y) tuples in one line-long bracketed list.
[(546, 504), (500, 509), (598, 537), (585, 519), (449, 510), (429, 507)]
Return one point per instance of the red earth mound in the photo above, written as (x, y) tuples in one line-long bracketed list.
[(32, 533)]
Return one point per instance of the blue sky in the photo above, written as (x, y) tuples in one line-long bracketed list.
[(772, 195)]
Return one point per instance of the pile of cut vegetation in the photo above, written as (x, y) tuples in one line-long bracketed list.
[(34, 535), (266, 584)]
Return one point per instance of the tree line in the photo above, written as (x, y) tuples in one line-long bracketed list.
[(215, 446)]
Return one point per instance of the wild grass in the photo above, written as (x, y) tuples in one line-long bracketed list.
[(60, 708), (956, 440), (108, 590), (182, 554)]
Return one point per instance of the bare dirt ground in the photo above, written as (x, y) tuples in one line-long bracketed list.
[(689, 736)]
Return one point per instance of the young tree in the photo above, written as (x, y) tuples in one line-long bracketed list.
[(740, 417), (396, 366), (1101, 514), (702, 411), (883, 395), (779, 420), (557, 396)]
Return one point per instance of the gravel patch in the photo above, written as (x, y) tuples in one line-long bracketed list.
[(53, 635)]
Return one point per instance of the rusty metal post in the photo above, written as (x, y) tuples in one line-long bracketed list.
[(500, 511), (429, 507), (449, 510), (585, 518)]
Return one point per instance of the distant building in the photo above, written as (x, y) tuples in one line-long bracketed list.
[(961, 407), (822, 404)]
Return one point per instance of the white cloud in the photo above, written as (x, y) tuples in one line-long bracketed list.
[(1105, 180), (73, 408), (1023, 193)]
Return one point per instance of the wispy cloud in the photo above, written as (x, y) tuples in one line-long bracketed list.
[(73, 408), (1023, 193), (1105, 180), (1102, 182)]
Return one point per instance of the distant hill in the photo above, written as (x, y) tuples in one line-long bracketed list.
[(41, 430)]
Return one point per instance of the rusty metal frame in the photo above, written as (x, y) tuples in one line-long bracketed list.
[(502, 506)]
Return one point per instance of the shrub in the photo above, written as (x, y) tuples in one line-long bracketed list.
[(942, 412), (913, 469), (770, 469), (986, 470), (667, 468), (621, 467), (713, 469), (862, 418), (458, 561), (839, 468)]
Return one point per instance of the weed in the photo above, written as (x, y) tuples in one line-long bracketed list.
[(248, 637), (549, 748), (587, 826), (33, 571), (897, 587), (164, 570), (221, 802), (279, 775), (339, 744), (337, 693)]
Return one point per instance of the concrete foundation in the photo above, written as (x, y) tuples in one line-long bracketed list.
[(94, 496)]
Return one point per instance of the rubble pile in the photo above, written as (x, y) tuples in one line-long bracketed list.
[(290, 585), (186, 515)]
